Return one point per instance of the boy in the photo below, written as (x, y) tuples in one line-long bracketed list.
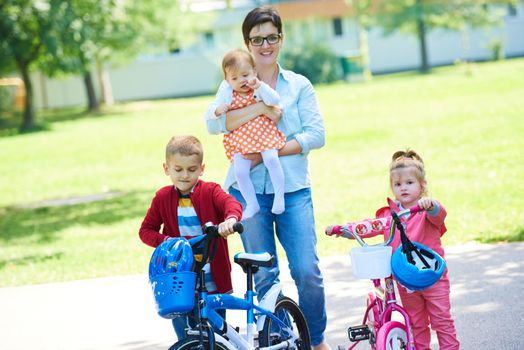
[(183, 208)]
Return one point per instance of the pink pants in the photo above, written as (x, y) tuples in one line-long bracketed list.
[(431, 306)]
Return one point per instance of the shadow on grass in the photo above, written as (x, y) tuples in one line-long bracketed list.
[(29, 259), (10, 122), (43, 224)]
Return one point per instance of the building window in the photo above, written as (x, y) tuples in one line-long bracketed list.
[(337, 26)]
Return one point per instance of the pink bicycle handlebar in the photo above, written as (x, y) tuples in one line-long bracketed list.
[(370, 226)]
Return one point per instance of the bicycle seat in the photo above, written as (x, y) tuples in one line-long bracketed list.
[(253, 260)]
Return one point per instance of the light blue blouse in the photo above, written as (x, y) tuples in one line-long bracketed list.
[(301, 120)]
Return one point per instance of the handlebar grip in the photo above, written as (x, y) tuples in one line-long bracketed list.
[(415, 209), (211, 229), (238, 227), (335, 231)]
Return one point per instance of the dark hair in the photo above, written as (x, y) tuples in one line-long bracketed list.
[(258, 16)]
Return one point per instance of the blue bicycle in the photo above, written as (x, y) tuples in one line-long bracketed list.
[(275, 323)]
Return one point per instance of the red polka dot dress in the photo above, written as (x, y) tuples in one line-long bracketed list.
[(257, 135)]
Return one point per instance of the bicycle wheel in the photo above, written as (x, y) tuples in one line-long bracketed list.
[(392, 336), (193, 343), (289, 313)]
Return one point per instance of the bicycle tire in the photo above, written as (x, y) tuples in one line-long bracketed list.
[(288, 311), (392, 336), (192, 342)]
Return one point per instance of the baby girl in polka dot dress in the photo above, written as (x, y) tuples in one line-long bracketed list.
[(259, 135)]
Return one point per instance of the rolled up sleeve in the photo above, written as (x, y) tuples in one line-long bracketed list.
[(217, 125), (313, 132)]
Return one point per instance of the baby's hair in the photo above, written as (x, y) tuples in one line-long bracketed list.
[(233, 58), (185, 146), (406, 159)]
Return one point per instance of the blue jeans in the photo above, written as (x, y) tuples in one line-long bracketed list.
[(295, 230)]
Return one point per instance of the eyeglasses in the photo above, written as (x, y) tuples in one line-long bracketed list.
[(271, 39)]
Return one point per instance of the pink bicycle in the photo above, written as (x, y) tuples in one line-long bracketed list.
[(374, 262)]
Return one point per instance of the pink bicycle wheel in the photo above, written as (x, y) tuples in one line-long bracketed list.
[(392, 336)]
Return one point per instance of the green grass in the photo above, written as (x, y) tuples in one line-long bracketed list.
[(467, 127)]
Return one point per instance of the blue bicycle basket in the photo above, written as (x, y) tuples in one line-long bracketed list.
[(172, 281), (417, 269)]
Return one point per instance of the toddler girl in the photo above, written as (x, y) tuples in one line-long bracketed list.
[(430, 306), (259, 135)]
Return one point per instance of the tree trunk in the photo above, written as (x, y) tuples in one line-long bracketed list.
[(28, 122), (363, 48), (92, 103), (105, 84), (421, 33)]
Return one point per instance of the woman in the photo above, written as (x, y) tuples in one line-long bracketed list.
[(300, 121)]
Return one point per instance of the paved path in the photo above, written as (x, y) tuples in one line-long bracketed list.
[(117, 313)]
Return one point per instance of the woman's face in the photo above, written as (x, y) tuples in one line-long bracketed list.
[(266, 54)]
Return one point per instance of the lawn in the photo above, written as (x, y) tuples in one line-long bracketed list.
[(468, 127)]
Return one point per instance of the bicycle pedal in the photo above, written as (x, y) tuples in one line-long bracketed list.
[(358, 333)]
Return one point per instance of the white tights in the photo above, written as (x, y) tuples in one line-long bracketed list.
[(242, 168)]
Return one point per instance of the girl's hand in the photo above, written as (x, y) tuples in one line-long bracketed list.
[(426, 203), (329, 230), (254, 83), (226, 228), (223, 108)]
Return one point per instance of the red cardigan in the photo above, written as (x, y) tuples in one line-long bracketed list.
[(211, 204)]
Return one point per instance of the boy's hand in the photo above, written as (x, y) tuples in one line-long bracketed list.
[(226, 228), (254, 83), (426, 203), (223, 108)]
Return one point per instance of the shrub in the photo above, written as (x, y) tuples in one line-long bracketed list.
[(314, 61)]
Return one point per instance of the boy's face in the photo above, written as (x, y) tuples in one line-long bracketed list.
[(238, 77), (184, 171)]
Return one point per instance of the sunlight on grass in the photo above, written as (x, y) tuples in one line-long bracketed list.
[(467, 127)]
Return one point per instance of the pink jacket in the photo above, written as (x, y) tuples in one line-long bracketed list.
[(425, 227)]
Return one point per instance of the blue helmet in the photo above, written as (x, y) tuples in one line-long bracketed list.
[(172, 255), (413, 272)]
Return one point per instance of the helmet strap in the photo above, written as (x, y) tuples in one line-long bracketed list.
[(407, 246)]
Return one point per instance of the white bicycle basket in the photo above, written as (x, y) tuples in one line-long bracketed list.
[(371, 262)]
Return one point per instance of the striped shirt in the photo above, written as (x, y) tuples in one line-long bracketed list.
[(189, 226)]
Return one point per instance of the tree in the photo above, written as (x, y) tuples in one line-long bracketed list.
[(421, 16), (362, 10), (30, 32), (114, 32)]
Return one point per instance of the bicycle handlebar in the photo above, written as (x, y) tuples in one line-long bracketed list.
[(212, 230), (370, 227)]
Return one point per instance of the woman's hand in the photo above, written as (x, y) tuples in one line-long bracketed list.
[(426, 203), (274, 113), (255, 158), (226, 228)]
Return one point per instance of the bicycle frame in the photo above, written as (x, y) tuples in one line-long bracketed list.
[(208, 316), (384, 302)]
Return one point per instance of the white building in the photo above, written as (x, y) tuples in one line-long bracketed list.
[(195, 70)]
